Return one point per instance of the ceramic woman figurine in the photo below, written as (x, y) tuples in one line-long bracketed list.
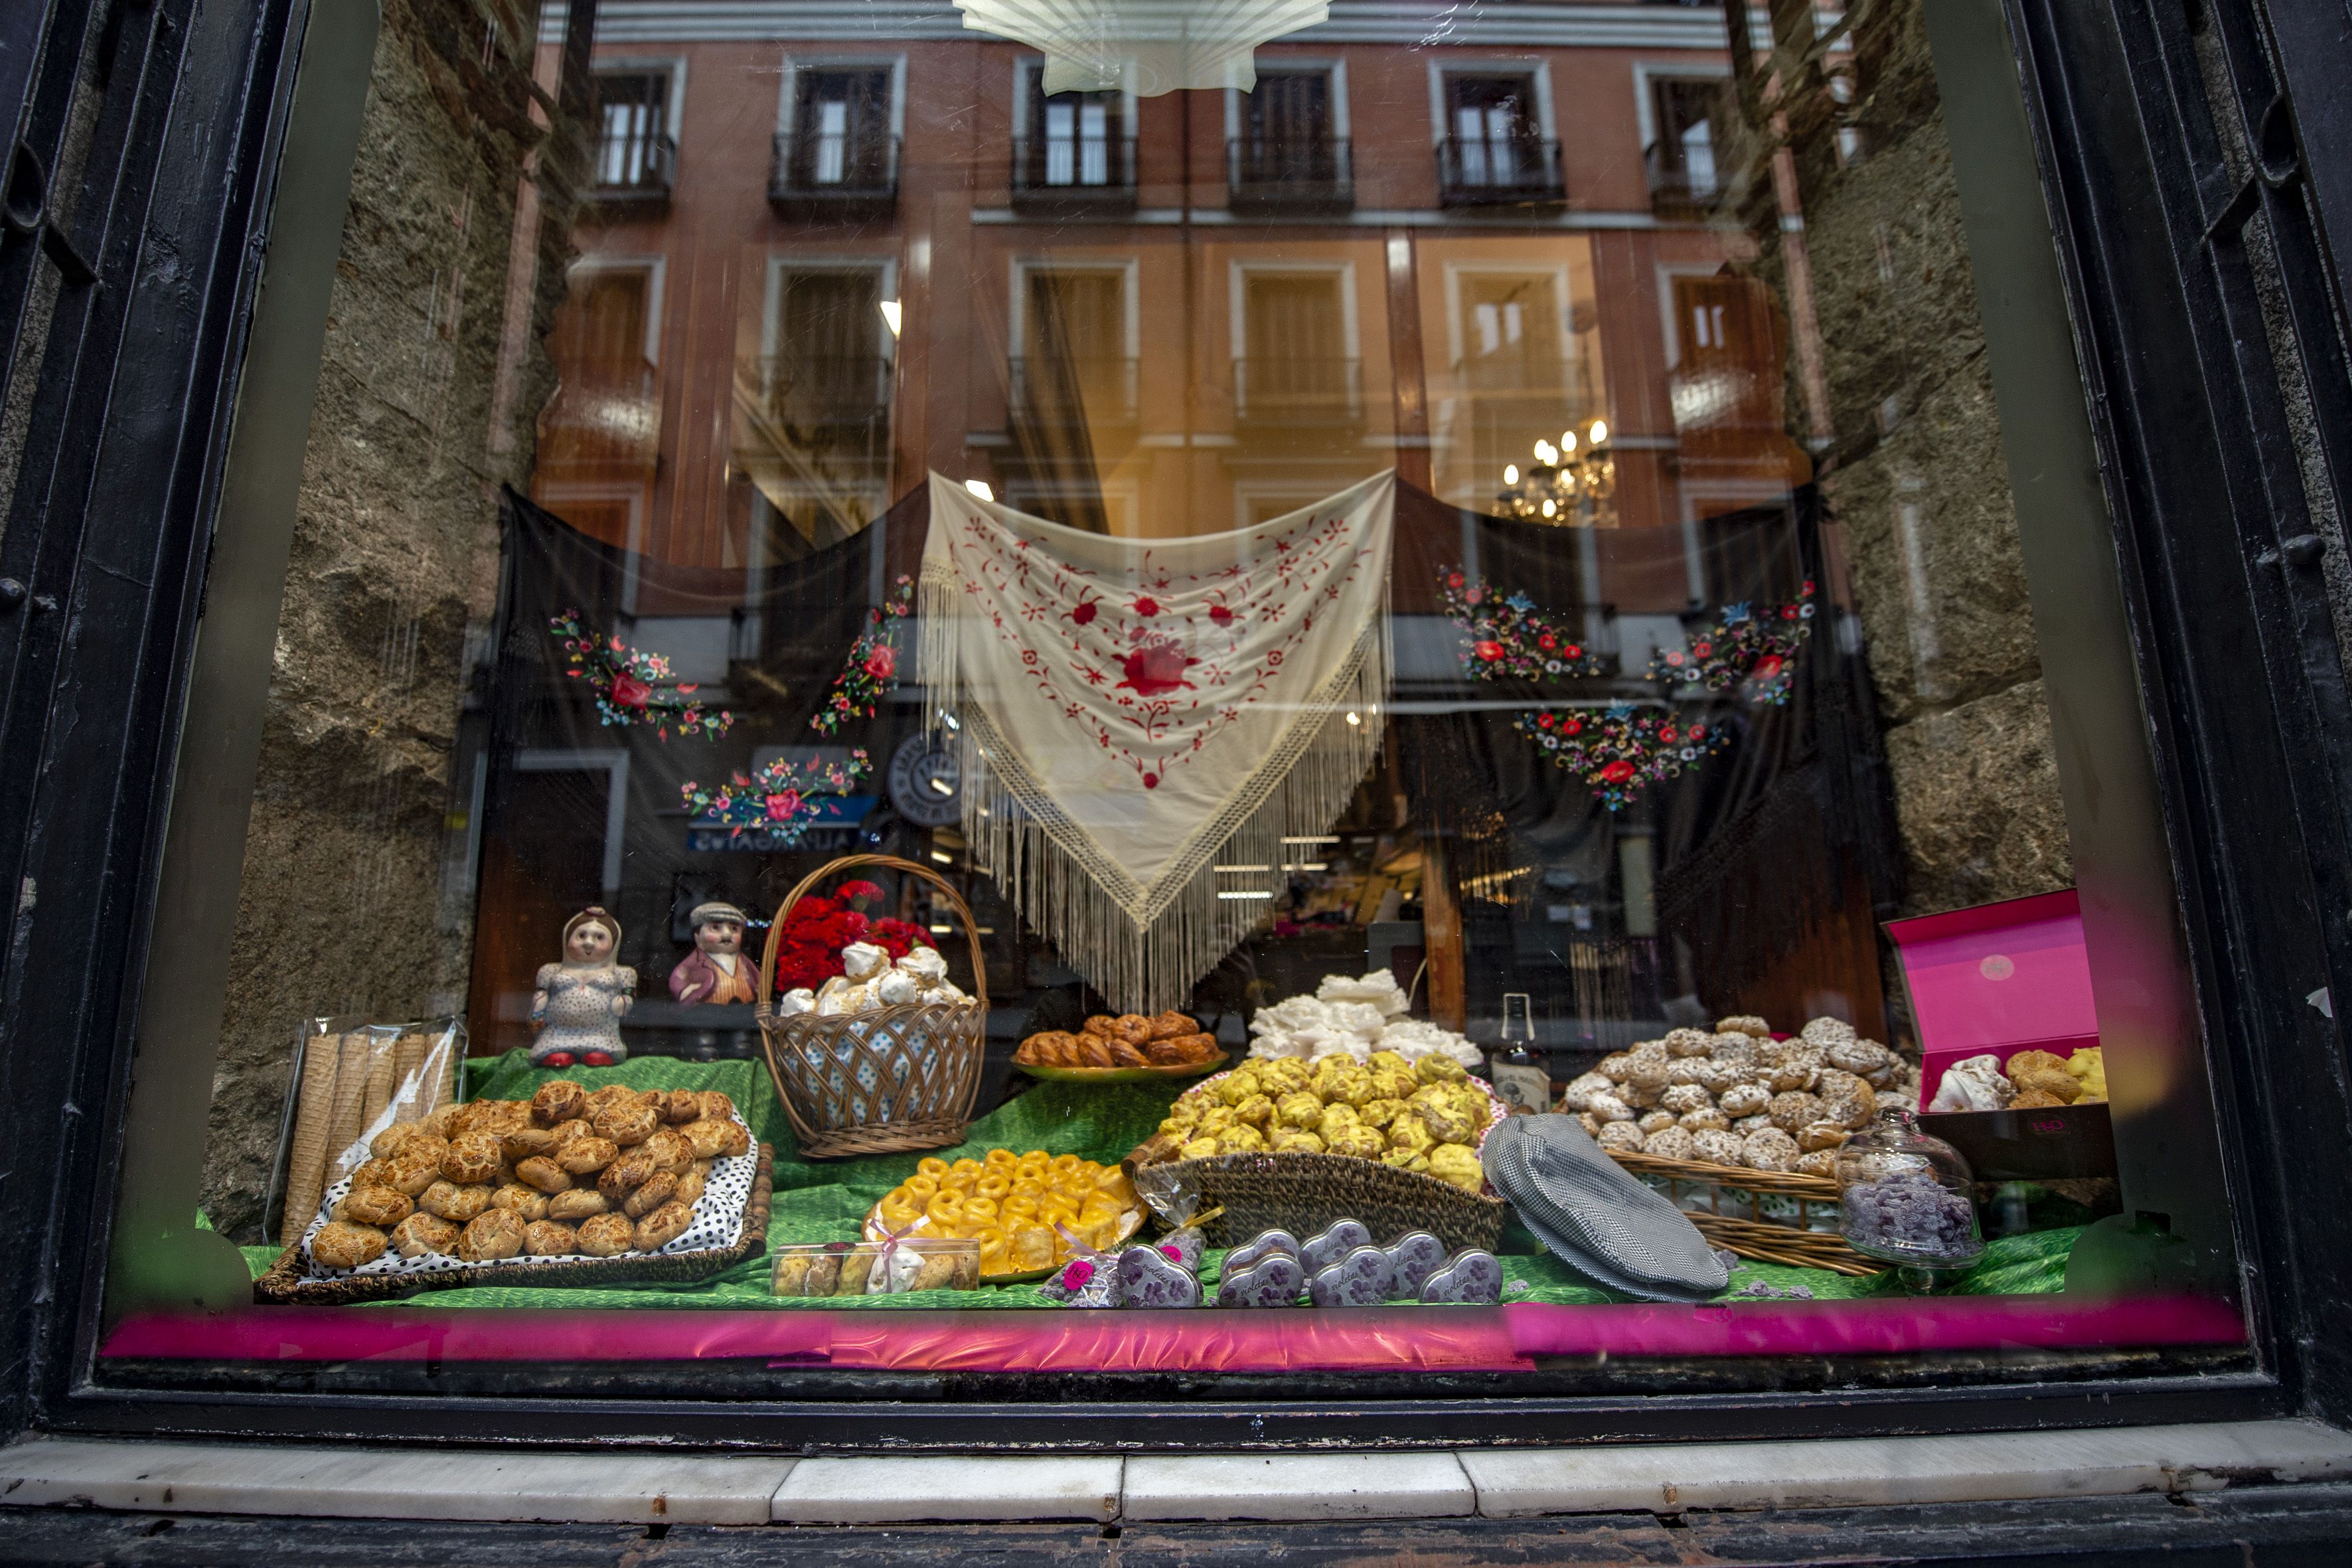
[(580, 1002), (717, 970)]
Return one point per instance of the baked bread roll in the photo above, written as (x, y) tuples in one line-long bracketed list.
[(422, 1235), (549, 1238), (657, 1190), (456, 1202), (1126, 1054), (558, 1102), (403, 1136), (1099, 1023), (611, 1094), (690, 1187), (524, 1203), (580, 1203), (706, 1138), (381, 1206), (1173, 1024), (1132, 1027), (1093, 1051), (472, 1157), (716, 1105), (679, 1105), (543, 1173), (670, 1149), (738, 1139), (662, 1227), (572, 1131), (491, 1235), (525, 1142), (626, 1125), (586, 1156), (442, 1119), (625, 1174), (342, 1245), (608, 1235)]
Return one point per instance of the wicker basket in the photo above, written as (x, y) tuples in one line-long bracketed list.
[(1773, 1216), (288, 1282), (885, 1079), (1303, 1192)]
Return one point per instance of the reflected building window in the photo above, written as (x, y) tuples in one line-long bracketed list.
[(1681, 156), (1494, 149), (840, 142), (635, 155), (1292, 151)]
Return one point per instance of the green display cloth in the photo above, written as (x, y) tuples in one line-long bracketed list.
[(827, 1200)]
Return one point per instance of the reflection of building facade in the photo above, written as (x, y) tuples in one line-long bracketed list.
[(821, 266)]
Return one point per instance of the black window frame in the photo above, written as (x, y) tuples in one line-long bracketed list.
[(172, 394)]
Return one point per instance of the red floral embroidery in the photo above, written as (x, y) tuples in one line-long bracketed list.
[(783, 805), (882, 663), (1083, 613), (1221, 615), (1147, 606), (1157, 668), (629, 691), (1490, 651), (1617, 772)]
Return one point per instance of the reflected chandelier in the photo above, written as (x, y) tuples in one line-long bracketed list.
[(1572, 485), (1093, 45)]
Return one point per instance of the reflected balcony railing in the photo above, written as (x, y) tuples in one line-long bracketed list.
[(1508, 170), (816, 395), (1298, 391), (633, 169), (1504, 375), (1072, 391), (1679, 186), (836, 172), (1082, 173), (1290, 174)]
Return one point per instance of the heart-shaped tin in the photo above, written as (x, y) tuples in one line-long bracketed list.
[(1361, 1278), (1274, 1281), (1414, 1257), (1472, 1278), (1149, 1277), (1264, 1244), (1333, 1243)]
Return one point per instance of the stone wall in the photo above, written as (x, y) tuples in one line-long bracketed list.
[(393, 564), (1912, 472)]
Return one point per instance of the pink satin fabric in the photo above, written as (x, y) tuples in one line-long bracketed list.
[(1503, 1339)]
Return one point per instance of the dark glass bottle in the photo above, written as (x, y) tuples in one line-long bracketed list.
[(1521, 1081)]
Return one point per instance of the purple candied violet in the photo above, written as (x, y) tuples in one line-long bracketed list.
[(1912, 1218)]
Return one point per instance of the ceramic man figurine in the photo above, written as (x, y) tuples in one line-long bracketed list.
[(717, 970), (580, 1002)]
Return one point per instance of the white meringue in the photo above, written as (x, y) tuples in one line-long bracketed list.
[(799, 1000), (1973, 1083), (862, 961), (898, 988), (925, 963)]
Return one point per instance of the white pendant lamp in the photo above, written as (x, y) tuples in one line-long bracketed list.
[(1152, 46)]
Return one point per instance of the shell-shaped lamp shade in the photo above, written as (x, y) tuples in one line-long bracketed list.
[(1152, 46)]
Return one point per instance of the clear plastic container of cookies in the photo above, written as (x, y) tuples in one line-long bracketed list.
[(875, 1267)]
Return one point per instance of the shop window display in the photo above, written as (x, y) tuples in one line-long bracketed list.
[(1043, 738)]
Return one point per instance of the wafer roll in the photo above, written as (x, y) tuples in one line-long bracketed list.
[(407, 1064), (380, 1078), (446, 1039), (306, 1160), (350, 1095)]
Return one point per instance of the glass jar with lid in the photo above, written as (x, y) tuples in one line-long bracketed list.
[(1904, 1196)]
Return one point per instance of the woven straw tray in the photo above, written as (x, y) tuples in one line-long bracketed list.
[(288, 1283), (1729, 1204), (1121, 1075)]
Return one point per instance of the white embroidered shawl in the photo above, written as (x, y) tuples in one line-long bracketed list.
[(1133, 713)]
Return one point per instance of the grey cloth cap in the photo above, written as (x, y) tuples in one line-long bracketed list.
[(716, 909), (1595, 1216)]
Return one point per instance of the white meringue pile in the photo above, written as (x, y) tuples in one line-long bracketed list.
[(868, 979), (1355, 1015)]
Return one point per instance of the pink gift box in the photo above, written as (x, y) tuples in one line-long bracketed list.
[(1999, 979)]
